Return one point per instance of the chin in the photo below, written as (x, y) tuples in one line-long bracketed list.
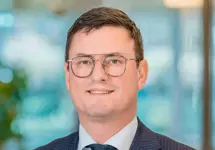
[(99, 114)]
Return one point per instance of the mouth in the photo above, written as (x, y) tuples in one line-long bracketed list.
[(100, 92)]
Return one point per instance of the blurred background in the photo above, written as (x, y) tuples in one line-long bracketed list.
[(35, 107)]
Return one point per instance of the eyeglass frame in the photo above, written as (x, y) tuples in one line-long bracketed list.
[(69, 62)]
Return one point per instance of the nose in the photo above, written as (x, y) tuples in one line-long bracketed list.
[(98, 73)]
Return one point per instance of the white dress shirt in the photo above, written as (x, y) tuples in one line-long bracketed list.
[(121, 140)]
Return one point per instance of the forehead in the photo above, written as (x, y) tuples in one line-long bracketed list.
[(105, 40)]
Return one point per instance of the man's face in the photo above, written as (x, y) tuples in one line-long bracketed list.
[(101, 95)]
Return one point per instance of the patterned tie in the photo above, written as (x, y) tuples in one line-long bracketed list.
[(101, 147)]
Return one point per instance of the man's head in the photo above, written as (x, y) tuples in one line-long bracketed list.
[(104, 63)]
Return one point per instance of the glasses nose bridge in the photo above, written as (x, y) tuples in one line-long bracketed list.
[(100, 68), (101, 60)]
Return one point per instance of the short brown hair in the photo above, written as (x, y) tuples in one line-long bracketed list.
[(102, 16)]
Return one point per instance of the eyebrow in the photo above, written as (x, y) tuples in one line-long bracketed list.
[(84, 54)]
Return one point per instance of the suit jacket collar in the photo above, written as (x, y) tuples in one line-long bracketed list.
[(67, 143), (144, 139), (75, 141)]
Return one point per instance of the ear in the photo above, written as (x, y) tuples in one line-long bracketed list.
[(142, 73), (67, 77)]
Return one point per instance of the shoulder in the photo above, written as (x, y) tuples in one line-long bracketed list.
[(148, 139), (169, 144), (61, 143)]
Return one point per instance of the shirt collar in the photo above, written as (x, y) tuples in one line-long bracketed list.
[(84, 138), (121, 140)]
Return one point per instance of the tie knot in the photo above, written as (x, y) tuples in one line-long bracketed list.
[(101, 147)]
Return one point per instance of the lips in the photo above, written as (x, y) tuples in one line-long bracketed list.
[(99, 91)]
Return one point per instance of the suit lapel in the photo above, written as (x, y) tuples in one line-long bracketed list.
[(74, 141), (70, 143), (144, 139)]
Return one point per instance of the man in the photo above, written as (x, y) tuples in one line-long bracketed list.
[(104, 69)]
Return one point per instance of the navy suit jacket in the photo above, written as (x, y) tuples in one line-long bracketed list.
[(144, 139)]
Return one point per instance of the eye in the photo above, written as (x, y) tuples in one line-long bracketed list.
[(85, 62), (114, 61), (82, 61)]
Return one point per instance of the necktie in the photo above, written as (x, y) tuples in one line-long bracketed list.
[(101, 147)]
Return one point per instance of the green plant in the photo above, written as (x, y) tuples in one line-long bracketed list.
[(10, 99)]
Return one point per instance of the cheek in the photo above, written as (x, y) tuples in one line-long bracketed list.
[(132, 77), (76, 85), (76, 92), (128, 83)]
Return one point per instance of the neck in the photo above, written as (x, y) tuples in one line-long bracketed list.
[(103, 129)]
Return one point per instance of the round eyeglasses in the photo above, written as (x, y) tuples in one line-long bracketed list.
[(113, 65)]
